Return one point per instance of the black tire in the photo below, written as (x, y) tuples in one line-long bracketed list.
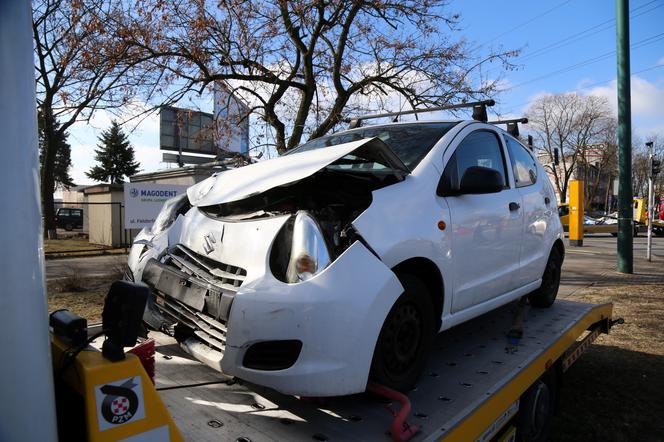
[(536, 410), (69, 227), (544, 296), (614, 234), (405, 339)]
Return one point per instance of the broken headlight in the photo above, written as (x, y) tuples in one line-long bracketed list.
[(300, 250), (169, 212)]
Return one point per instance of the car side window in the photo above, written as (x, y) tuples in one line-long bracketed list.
[(480, 148), (63, 212), (523, 163)]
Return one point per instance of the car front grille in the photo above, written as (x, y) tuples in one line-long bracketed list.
[(204, 327), (194, 291), (205, 270)]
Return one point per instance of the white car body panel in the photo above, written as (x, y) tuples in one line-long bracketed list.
[(237, 184), (331, 313), (413, 213), (540, 226), (245, 244), (487, 256)]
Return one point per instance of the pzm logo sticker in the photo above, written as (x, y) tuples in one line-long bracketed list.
[(119, 402)]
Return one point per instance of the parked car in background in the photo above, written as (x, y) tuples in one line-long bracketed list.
[(592, 225), (340, 261), (69, 219)]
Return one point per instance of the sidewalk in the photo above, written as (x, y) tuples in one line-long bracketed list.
[(85, 267), (594, 264)]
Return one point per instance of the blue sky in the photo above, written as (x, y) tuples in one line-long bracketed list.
[(560, 41), (567, 45)]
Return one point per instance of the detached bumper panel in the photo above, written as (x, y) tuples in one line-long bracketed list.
[(175, 284), (179, 298)]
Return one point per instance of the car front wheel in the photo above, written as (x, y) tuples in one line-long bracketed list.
[(546, 294), (405, 338)]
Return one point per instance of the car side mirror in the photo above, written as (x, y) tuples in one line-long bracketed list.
[(478, 179)]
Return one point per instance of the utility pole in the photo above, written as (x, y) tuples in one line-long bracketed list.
[(651, 197), (625, 214), (27, 411)]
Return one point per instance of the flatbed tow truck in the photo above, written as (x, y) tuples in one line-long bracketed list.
[(479, 385), (482, 382)]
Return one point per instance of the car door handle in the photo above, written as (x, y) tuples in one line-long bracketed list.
[(514, 206)]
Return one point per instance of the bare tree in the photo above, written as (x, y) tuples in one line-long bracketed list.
[(81, 66), (598, 164), (569, 123), (305, 65)]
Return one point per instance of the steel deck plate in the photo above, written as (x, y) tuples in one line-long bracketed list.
[(468, 364)]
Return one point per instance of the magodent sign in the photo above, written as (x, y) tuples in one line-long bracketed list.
[(143, 202)]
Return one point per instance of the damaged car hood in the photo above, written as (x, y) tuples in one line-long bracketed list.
[(237, 184)]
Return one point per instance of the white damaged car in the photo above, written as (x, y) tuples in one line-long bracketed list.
[(340, 261)]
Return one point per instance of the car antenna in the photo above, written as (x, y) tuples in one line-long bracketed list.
[(479, 112)]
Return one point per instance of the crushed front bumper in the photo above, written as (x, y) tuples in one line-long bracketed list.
[(330, 323)]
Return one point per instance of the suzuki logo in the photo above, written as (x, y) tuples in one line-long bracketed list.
[(208, 243)]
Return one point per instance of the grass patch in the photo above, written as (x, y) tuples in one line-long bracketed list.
[(76, 246), (87, 304), (615, 392), (71, 243), (82, 294)]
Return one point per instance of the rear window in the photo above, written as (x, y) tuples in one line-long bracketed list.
[(410, 142)]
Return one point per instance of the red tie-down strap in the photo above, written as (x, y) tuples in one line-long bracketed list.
[(400, 430)]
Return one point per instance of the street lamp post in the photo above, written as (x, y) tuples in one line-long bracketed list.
[(651, 197), (625, 214)]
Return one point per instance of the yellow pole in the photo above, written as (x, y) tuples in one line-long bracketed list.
[(576, 213)]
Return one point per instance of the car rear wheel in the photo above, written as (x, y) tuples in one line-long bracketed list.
[(405, 338), (69, 227), (546, 294)]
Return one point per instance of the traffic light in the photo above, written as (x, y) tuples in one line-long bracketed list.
[(655, 167)]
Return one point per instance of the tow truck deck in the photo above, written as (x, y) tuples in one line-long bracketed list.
[(469, 391)]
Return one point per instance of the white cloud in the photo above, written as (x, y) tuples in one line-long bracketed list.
[(646, 100), (647, 97)]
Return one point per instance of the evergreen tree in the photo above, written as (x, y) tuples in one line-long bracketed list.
[(115, 157), (62, 162)]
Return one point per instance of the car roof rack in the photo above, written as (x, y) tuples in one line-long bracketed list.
[(512, 125), (479, 112)]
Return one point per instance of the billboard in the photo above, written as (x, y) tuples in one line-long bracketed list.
[(143, 201), (231, 120), (186, 130)]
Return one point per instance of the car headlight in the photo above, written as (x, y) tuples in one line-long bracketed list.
[(169, 212), (300, 250)]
